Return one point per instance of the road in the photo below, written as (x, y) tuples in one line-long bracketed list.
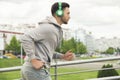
[(95, 65)]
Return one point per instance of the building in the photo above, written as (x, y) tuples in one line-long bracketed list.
[(79, 34), (103, 43), (67, 33), (89, 39)]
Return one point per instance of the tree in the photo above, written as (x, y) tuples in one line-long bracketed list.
[(109, 72), (110, 50), (7, 47), (117, 50), (14, 45), (68, 45), (81, 48), (73, 45)]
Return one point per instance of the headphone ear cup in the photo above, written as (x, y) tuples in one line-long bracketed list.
[(59, 13)]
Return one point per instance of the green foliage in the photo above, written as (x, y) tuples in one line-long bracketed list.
[(81, 48), (73, 45), (106, 73), (117, 50), (110, 50), (68, 45), (7, 47), (14, 45)]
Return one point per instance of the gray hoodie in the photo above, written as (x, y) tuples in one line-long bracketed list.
[(41, 42)]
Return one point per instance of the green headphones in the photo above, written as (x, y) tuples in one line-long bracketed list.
[(59, 12)]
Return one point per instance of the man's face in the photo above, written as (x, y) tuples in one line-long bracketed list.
[(65, 18)]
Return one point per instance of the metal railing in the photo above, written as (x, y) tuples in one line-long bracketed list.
[(107, 78), (73, 63)]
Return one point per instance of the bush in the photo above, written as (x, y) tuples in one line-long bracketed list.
[(108, 72)]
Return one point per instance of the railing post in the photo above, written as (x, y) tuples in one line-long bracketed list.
[(56, 72), (21, 56), (56, 76)]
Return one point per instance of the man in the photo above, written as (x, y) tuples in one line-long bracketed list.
[(40, 44)]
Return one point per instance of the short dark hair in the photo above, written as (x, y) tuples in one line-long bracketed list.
[(55, 7)]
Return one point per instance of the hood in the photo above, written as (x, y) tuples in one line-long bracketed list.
[(50, 20)]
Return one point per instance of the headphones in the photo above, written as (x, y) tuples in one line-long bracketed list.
[(59, 12)]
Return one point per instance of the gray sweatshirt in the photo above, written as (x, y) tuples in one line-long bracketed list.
[(41, 42)]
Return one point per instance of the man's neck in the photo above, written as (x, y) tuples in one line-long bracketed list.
[(58, 19)]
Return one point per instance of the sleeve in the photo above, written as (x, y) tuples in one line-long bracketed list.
[(57, 55), (28, 41), (28, 46)]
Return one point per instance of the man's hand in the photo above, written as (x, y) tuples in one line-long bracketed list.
[(37, 64), (69, 55)]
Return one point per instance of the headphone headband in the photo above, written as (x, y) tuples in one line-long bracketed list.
[(59, 12), (60, 5)]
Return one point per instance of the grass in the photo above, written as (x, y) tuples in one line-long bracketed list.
[(81, 76), (77, 76), (9, 62), (10, 75), (16, 74)]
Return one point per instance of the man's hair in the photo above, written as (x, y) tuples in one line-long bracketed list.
[(55, 7)]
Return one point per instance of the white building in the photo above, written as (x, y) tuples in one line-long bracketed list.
[(80, 34), (90, 43), (103, 43), (86, 38), (67, 33)]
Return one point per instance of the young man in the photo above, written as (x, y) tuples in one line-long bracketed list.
[(40, 44)]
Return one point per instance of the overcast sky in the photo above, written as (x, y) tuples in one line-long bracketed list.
[(101, 17)]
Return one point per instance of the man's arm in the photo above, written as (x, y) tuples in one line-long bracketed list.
[(57, 55), (28, 42), (69, 55)]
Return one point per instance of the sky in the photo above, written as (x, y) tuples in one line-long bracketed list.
[(101, 17)]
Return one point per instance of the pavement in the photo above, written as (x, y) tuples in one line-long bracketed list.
[(95, 65)]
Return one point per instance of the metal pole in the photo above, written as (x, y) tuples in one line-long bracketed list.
[(21, 56), (56, 72), (86, 61), (56, 67)]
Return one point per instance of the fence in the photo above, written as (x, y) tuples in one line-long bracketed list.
[(56, 65)]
